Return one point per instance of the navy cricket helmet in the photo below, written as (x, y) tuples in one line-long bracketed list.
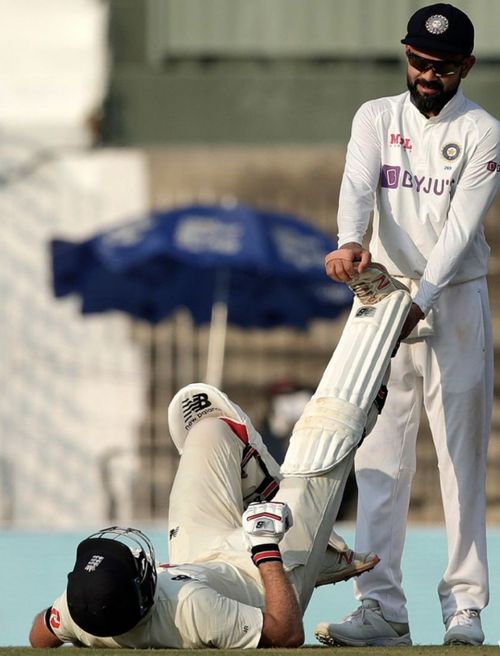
[(112, 585)]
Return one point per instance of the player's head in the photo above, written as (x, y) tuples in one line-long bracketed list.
[(440, 28), (113, 582), (438, 47)]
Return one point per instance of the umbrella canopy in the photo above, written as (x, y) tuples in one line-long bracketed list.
[(261, 269)]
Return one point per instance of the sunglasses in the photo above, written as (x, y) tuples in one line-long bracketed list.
[(440, 68)]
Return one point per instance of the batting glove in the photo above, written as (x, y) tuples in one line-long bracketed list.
[(265, 525)]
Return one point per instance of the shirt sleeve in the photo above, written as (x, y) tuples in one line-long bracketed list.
[(473, 196), (62, 625), (208, 619), (360, 178), (59, 620)]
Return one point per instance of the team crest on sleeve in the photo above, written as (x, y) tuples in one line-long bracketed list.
[(437, 24), (451, 151), (55, 618)]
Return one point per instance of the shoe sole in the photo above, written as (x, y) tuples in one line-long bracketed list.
[(374, 284), (374, 642), (348, 573), (463, 641)]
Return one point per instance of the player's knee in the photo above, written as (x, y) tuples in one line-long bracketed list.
[(212, 434)]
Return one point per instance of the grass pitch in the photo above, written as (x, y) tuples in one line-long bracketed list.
[(485, 650)]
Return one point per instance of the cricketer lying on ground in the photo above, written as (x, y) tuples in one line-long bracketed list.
[(214, 595)]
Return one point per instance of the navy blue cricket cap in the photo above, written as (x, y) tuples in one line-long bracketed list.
[(441, 28), (102, 590)]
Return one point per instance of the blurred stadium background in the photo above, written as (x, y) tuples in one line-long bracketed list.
[(111, 108)]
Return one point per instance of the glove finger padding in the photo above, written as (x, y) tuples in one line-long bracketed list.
[(266, 523)]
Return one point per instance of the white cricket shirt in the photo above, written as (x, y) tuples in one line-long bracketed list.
[(430, 183), (196, 606)]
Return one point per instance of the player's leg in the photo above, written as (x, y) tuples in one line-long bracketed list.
[(322, 445), (314, 502), (385, 465), (224, 465), (222, 471), (206, 500), (458, 399), (326, 632), (341, 562)]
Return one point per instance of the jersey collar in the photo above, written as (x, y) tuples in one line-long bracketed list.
[(451, 108)]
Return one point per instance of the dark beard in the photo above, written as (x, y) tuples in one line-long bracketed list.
[(428, 105)]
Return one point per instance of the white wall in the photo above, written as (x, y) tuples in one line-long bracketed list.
[(72, 388), (53, 67)]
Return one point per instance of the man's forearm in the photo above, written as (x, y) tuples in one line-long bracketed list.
[(282, 625), (41, 636)]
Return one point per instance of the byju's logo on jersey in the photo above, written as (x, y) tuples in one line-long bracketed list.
[(389, 176), (399, 140), (394, 177)]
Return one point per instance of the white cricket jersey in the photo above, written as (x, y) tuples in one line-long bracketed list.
[(430, 183), (196, 606)]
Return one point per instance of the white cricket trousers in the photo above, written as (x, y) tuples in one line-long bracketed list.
[(206, 504), (450, 374)]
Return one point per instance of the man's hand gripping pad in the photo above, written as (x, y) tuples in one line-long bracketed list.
[(333, 422)]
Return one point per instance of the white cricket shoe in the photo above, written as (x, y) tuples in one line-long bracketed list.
[(464, 628), (374, 284), (364, 627), (345, 565)]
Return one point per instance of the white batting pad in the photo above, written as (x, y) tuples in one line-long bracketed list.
[(334, 420), (358, 364), (326, 432)]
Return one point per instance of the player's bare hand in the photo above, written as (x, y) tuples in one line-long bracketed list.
[(343, 263), (414, 316)]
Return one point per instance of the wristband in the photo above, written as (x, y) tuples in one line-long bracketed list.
[(266, 553)]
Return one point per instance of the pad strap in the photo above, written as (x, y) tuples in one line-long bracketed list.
[(269, 485)]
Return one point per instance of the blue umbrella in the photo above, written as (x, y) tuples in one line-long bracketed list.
[(225, 264)]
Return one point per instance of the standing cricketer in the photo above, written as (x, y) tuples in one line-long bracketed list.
[(427, 163)]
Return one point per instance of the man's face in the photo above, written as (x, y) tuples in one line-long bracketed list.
[(433, 78)]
